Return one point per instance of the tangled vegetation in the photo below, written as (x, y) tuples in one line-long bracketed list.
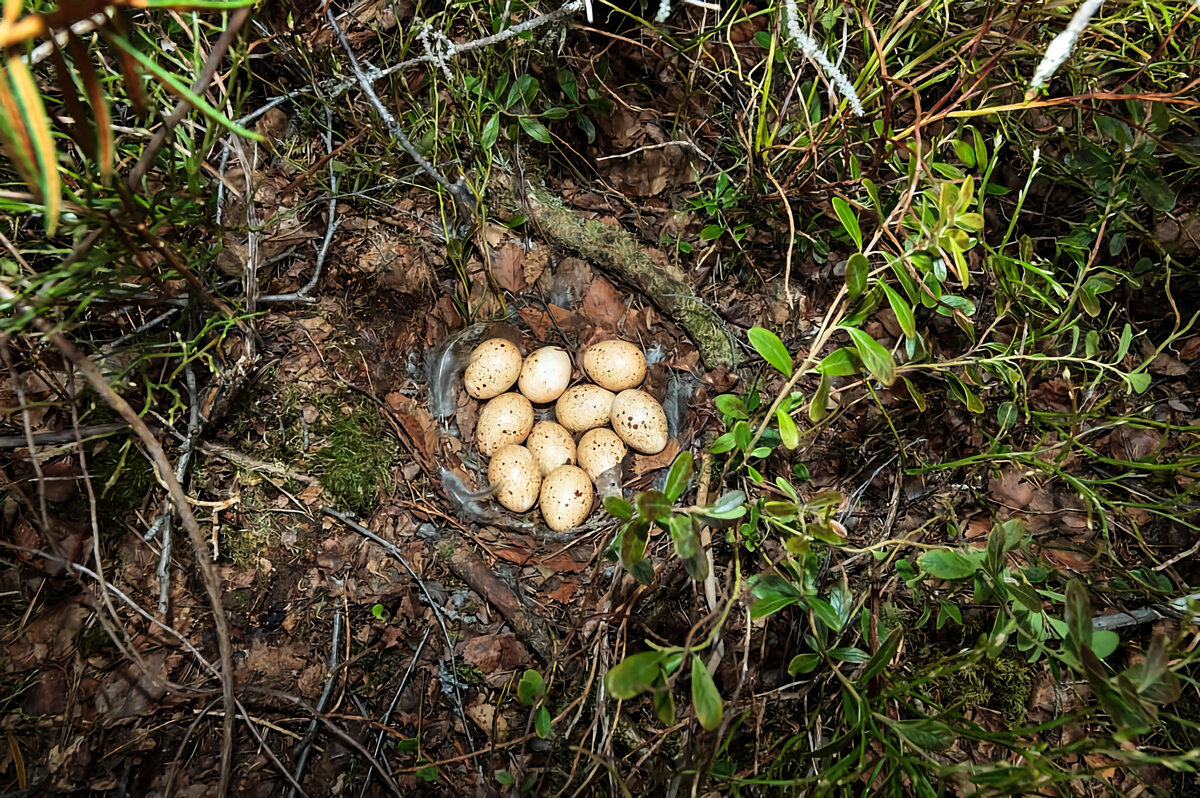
[(930, 524)]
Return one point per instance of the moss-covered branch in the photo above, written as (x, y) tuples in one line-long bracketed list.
[(616, 251)]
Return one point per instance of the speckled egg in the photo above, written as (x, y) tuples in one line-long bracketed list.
[(503, 420), (615, 365), (582, 407), (493, 368), (551, 446), (545, 374), (640, 421), (566, 498), (599, 450), (515, 477)]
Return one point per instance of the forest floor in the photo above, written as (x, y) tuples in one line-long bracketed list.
[(921, 590)]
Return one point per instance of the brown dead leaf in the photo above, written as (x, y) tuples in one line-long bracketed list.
[(507, 267), (495, 652), (483, 714), (563, 593), (416, 421), (1011, 489), (1190, 348), (603, 305), (130, 692), (645, 463), (311, 494)]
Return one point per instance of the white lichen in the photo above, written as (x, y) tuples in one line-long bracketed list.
[(1064, 44), (812, 51)]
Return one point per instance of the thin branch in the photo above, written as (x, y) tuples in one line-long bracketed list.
[(463, 198), (211, 584)]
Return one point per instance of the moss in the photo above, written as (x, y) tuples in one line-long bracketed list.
[(245, 545), (1003, 684), (346, 447)]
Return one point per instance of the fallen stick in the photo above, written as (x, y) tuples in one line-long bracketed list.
[(475, 572), (616, 251)]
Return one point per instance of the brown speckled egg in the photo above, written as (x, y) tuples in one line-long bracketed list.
[(503, 420), (582, 407), (566, 498), (640, 421), (515, 477), (545, 374), (615, 365), (551, 446), (493, 368)]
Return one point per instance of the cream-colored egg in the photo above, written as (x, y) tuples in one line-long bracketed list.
[(493, 368), (503, 420), (566, 497), (582, 407), (599, 450), (551, 446), (515, 476), (615, 365), (640, 421), (545, 374)]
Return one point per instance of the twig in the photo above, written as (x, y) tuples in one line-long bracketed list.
[(463, 198), (199, 87), (38, 439), (391, 707), (1155, 612), (245, 461), (331, 225), (648, 147), (211, 585), (305, 746), (437, 611)]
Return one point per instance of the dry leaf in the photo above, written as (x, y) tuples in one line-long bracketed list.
[(507, 267), (603, 305)]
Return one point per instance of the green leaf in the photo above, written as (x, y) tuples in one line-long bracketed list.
[(1008, 415), (654, 505), (771, 349), (568, 84), (857, 271), (947, 564), (1105, 642), (706, 700), (1156, 192), (849, 654), (634, 675), (803, 663), (883, 657), (723, 443), (505, 779), (684, 536), (903, 311), (877, 360), (618, 508), (931, 735), (1077, 612), (849, 220), (678, 476), (839, 363), (491, 132), (1123, 344), (664, 702), (788, 431), (633, 544), (826, 613), (177, 87), (742, 435), (541, 722), (530, 688), (731, 406), (1138, 381), (729, 506), (535, 129), (971, 222)]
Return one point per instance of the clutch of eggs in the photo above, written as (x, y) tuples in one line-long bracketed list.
[(543, 464)]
